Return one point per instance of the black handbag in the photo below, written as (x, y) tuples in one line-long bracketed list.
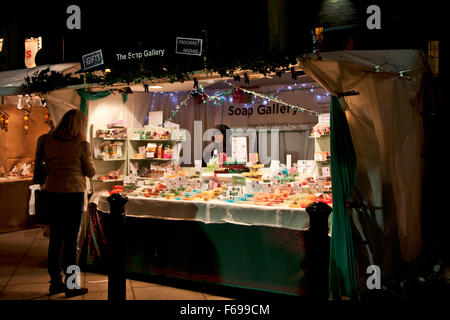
[(41, 206)]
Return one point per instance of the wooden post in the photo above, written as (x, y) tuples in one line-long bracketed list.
[(116, 241), (318, 251)]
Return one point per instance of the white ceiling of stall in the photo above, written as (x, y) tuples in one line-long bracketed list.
[(216, 82)]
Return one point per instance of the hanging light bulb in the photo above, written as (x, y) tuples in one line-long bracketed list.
[(19, 104)]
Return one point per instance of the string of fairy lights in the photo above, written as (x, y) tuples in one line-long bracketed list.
[(219, 97)]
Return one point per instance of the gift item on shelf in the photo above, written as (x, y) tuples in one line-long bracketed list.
[(320, 130), (110, 154), (116, 124), (23, 171), (322, 156), (150, 150), (151, 133), (167, 152), (111, 150), (111, 175), (119, 133)]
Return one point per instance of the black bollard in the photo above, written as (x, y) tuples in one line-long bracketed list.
[(318, 251), (116, 240)]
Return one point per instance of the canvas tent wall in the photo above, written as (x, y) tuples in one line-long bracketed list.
[(20, 146), (293, 135), (137, 105), (386, 130)]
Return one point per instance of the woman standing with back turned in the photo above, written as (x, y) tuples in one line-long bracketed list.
[(68, 161)]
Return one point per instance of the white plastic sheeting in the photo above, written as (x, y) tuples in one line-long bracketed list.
[(387, 135)]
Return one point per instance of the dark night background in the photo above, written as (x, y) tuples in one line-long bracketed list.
[(237, 31), (231, 29)]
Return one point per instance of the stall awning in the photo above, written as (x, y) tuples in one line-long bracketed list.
[(11, 80)]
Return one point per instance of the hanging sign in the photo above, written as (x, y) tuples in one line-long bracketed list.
[(93, 59), (189, 46), (131, 55), (239, 149), (155, 118)]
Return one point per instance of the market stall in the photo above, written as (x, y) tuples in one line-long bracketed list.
[(22, 120), (19, 131), (233, 219), (213, 223)]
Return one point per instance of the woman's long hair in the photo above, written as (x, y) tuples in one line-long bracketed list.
[(72, 126)]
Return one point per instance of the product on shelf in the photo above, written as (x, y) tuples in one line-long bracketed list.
[(320, 130), (150, 150), (151, 133), (322, 156), (111, 150), (23, 171), (224, 182), (111, 175), (116, 124), (118, 133)]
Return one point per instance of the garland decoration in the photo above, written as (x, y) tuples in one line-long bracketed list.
[(177, 108), (277, 100), (240, 95), (47, 117), (26, 117), (4, 120), (45, 81)]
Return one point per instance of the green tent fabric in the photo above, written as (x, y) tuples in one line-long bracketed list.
[(342, 269), (90, 95)]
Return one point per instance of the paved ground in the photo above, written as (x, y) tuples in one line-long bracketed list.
[(23, 275)]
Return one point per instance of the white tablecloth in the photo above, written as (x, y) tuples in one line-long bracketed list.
[(213, 211)]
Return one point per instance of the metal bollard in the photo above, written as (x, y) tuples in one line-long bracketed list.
[(318, 251), (116, 260)]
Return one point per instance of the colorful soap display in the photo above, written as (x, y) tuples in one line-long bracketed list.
[(286, 189), (154, 172)]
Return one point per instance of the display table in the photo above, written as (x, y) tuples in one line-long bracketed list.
[(231, 244), (14, 198), (212, 211)]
